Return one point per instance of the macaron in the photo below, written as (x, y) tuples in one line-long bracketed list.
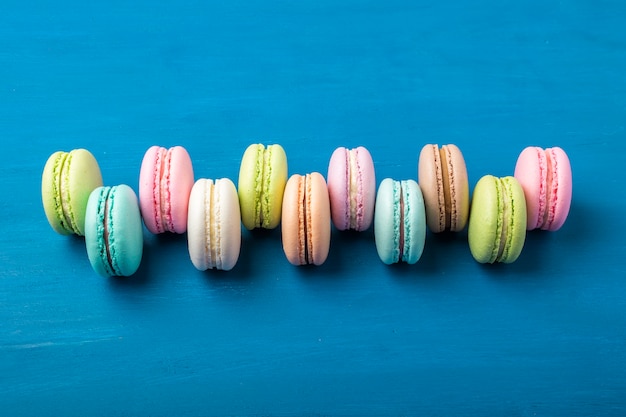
[(165, 182), (497, 223), (306, 219), (351, 188), (442, 176), (113, 231), (546, 177), (67, 180), (214, 224), (399, 221), (262, 179)]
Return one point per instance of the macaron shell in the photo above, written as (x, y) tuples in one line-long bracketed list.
[(149, 189), (366, 192), (339, 188), (275, 178), (460, 198), (318, 224), (67, 181), (430, 178), (562, 198), (292, 228), (352, 188), (114, 211), (387, 222), (516, 231), (531, 170), (485, 222), (179, 183), (214, 226), (414, 222), (305, 223)]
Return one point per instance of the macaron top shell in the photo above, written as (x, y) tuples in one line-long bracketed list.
[(546, 177), (442, 176), (352, 188), (399, 221), (165, 182), (67, 180), (306, 219), (113, 231), (497, 225), (262, 179), (214, 224)]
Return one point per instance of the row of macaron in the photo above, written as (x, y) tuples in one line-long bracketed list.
[(537, 196)]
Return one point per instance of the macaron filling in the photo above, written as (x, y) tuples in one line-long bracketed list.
[(104, 231), (61, 191), (552, 188), (401, 221), (446, 169), (264, 212), (161, 195), (354, 207), (212, 245), (505, 222)]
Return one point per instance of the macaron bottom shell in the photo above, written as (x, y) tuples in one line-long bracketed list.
[(214, 225), (497, 223), (399, 221), (113, 231)]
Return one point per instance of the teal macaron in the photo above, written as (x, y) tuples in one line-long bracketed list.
[(497, 224), (113, 231), (399, 221)]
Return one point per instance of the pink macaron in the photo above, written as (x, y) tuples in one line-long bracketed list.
[(351, 188), (546, 178), (165, 183)]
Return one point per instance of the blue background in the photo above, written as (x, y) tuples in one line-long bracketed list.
[(543, 336)]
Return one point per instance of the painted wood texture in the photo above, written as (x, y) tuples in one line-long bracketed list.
[(447, 336)]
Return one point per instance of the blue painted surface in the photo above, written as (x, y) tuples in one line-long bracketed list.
[(544, 336)]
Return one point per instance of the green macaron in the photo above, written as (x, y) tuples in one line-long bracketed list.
[(68, 179), (262, 180), (497, 224), (113, 231)]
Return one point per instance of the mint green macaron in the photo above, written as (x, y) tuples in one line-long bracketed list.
[(399, 221), (67, 180), (497, 224), (113, 231)]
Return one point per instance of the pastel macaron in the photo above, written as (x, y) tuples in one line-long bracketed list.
[(497, 223), (546, 177), (214, 224), (442, 176), (113, 231), (67, 180), (262, 180), (165, 182), (306, 223), (399, 221), (351, 188)]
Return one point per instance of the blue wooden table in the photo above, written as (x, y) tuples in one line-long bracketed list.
[(544, 336)]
